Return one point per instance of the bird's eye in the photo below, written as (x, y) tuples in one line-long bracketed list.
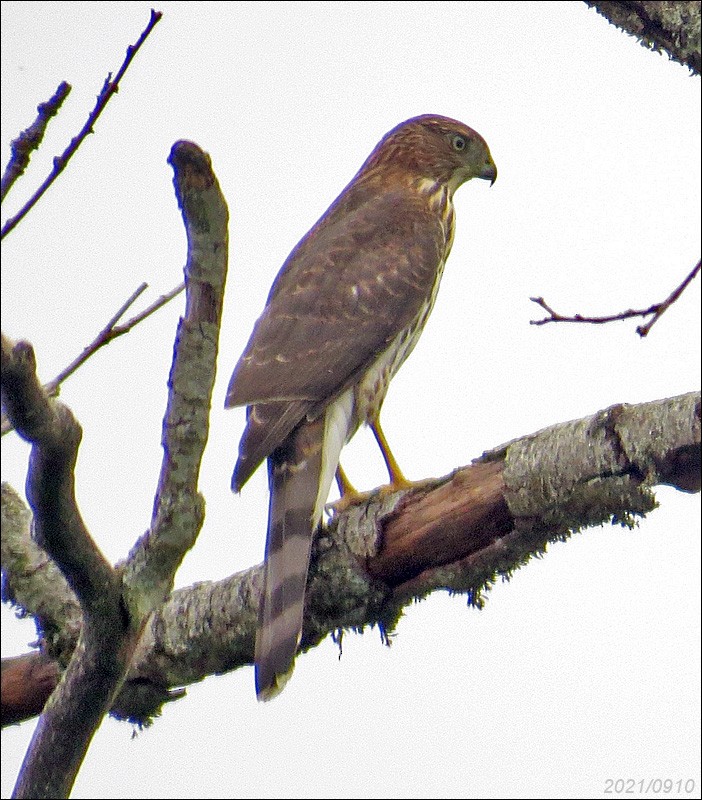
[(459, 142)]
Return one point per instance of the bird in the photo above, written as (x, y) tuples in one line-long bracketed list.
[(344, 312)]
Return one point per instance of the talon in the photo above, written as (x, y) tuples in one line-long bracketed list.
[(349, 494), (347, 500)]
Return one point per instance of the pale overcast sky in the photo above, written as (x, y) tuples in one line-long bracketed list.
[(585, 666)]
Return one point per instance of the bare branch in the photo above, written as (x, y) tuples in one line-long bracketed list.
[(106, 334), (93, 675), (657, 310), (30, 139), (147, 312), (661, 308), (27, 682), (554, 316), (110, 88), (178, 506), (110, 332)]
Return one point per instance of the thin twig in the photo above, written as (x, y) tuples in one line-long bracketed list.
[(643, 330), (556, 317), (147, 312), (21, 148), (106, 335), (110, 332), (110, 88), (657, 310)]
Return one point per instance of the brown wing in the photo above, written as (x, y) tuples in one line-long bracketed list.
[(347, 289)]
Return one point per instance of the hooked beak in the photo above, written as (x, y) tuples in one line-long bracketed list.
[(489, 171)]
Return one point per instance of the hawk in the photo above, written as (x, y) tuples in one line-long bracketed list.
[(344, 312)]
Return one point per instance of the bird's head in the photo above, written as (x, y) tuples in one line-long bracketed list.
[(434, 148)]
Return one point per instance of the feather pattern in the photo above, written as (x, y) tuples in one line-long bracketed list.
[(293, 474), (344, 312)]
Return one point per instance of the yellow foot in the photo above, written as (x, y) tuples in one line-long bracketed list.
[(349, 499), (352, 498)]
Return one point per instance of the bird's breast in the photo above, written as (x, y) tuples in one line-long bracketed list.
[(373, 386)]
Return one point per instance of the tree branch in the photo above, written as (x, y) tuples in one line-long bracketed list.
[(656, 310), (673, 27), (661, 308), (179, 509), (30, 139), (55, 436), (53, 758), (110, 88), (460, 534), (110, 332), (34, 584), (27, 683), (117, 604)]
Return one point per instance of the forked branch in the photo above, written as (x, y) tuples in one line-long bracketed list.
[(655, 311), (110, 88)]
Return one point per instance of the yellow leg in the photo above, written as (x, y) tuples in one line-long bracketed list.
[(351, 496), (344, 484), (397, 478)]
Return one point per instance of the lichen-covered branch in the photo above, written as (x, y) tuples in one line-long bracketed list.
[(672, 26), (33, 583), (55, 436), (91, 679), (116, 604), (179, 509), (460, 534)]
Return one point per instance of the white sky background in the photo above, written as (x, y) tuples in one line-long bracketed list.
[(585, 666)]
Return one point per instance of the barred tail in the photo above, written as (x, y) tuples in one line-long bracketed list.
[(300, 473), (294, 477)]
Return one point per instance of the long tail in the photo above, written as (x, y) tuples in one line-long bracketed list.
[(300, 473), (294, 472)]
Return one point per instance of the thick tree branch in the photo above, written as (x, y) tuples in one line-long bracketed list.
[(87, 689), (34, 584), (118, 604), (27, 683), (476, 524), (672, 26), (459, 533), (55, 435), (179, 509)]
